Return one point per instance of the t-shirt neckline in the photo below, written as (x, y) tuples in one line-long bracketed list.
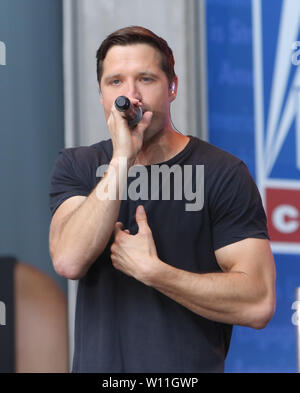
[(178, 156)]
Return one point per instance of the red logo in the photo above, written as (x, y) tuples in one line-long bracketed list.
[(283, 213)]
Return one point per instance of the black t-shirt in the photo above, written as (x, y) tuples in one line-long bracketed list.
[(123, 325), (7, 314)]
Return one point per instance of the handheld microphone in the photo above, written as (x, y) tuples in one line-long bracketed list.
[(132, 113)]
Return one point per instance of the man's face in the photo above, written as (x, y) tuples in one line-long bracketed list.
[(135, 71)]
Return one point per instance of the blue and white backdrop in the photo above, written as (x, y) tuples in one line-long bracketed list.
[(253, 91)]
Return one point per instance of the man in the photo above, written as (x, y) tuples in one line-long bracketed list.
[(160, 284)]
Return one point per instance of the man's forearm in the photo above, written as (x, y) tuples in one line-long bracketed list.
[(86, 232), (227, 297)]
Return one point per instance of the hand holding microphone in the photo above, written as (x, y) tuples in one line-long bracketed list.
[(133, 113), (127, 131)]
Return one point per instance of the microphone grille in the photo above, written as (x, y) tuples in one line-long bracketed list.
[(122, 103)]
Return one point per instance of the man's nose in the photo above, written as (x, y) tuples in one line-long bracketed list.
[(133, 91)]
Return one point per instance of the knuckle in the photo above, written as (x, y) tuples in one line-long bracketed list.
[(147, 232)]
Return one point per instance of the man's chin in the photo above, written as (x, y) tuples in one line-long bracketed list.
[(154, 129), (150, 134)]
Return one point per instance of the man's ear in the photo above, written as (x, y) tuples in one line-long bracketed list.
[(173, 89)]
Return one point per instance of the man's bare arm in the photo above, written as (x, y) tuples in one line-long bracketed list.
[(242, 293), (81, 227)]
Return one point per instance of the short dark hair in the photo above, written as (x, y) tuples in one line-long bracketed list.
[(137, 35)]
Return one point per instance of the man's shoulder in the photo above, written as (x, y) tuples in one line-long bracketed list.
[(100, 150), (212, 155)]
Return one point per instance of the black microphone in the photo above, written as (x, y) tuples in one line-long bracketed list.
[(132, 113)]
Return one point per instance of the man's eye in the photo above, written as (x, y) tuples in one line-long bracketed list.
[(115, 82), (146, 79)]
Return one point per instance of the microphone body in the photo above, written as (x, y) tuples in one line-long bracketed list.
[(132, 113)]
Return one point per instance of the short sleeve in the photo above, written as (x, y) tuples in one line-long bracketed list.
[(66, 180), (236, 208)]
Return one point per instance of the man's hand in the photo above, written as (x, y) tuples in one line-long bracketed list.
[(127, 142), (242, 294), (135, 255)]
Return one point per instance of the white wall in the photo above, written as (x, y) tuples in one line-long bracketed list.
[(91, 22)]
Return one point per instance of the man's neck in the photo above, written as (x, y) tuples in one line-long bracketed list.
[(161, 147)]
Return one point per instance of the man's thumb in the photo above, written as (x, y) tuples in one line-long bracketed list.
[(141, 219)]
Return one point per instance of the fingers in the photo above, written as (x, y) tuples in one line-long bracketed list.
[(116, 118), (144, 123), (135, 101), (119, 228)]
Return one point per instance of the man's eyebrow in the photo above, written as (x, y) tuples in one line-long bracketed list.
[(108, 77), (148, 73), (117, 76)]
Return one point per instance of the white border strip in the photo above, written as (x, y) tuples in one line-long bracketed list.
[(258, 96), (69, 59), (202, 62)]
